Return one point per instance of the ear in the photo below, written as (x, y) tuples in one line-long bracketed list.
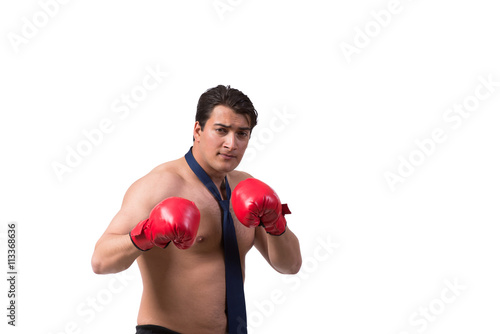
[(197, 131)]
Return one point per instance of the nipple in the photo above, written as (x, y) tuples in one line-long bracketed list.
[(200, 239)]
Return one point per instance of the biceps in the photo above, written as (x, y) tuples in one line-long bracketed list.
[(121, 224), (134, 209)]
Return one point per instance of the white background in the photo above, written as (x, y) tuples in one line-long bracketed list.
[(350, 119)]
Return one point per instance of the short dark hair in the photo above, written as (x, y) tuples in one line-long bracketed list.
[(226, 96)]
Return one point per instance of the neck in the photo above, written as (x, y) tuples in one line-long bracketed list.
[(217, 177)]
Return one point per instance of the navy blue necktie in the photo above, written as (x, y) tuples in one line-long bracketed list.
[(235, 295)]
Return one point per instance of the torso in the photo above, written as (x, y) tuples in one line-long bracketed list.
[(184, 290)]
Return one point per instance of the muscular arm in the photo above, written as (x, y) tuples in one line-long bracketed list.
[(114, 251), (282, 252)]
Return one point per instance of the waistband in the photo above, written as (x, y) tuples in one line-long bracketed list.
[(153, 329)]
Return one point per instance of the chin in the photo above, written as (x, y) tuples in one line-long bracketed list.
[(228, 166)]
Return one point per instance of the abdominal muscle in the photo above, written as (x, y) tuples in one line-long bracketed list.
[(183, 290)]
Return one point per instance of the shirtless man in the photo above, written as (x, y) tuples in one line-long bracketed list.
[(184, 286)]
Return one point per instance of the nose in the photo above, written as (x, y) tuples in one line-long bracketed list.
[(230, 141)]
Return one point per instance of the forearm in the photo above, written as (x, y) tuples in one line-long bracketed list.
[(284, 252), (114, 253)]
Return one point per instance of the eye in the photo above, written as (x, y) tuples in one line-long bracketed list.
[(221, 130), (243, 134)]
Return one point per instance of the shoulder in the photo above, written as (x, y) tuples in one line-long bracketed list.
[(161, 182), (236, 177)]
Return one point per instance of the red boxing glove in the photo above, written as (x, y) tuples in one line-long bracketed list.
[(173, 219), (255, 203)]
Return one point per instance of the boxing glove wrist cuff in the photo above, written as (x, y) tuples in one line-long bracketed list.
[(139, 238)]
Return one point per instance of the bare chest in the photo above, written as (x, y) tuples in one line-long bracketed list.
[(210, 233)]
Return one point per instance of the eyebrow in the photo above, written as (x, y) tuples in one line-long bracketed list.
[(229, 126)]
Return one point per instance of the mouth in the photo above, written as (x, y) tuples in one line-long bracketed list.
[(227, 156)]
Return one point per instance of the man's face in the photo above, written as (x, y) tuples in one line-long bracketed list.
[(223, 140)]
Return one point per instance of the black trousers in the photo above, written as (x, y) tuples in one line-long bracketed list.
[(153, 329)]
